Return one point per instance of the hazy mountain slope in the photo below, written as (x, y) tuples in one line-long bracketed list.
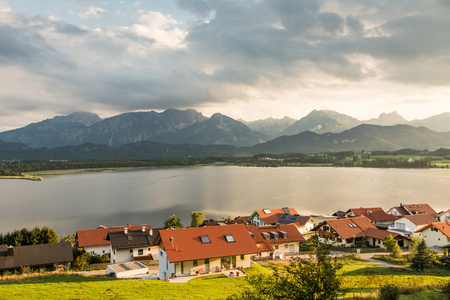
[(142, 150), (439, 123), (363, 137), (322, 121), (271, 127), (139, 126), (217, 130), (60, 130), (389, 119), (12, 146)]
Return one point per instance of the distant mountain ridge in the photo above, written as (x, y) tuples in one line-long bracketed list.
[(191, 127)]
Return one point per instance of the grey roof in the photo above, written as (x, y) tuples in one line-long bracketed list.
[(35, 255), (133, 239)]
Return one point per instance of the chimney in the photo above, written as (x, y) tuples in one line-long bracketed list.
[(125, 230), (150, 231), (278, 225), (143, 229), (171, 240), (10, 251)]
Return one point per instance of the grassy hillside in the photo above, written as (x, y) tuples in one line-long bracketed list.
[(362, 279)]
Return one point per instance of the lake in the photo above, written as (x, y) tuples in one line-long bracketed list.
[(114, 198)]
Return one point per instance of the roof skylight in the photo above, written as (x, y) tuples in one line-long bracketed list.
[(205, 239)]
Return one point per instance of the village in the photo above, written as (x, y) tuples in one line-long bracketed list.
[(230, 245)]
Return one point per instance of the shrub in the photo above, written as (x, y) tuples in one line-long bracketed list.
[(389, 292), (446, 290)]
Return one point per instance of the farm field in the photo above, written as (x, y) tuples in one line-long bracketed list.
[(361, 279)]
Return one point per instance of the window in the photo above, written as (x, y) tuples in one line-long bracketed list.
[(284, 216), (274, 234), (229, 238), (131, 250), (140, 251), (267, 211), (276, 247), (286, 246), (252, 235), (205, 239), (284, 234), (326, 228), (103, 251), (286, 210), (195, 262), (295, 217), (266, 235), (242, 257)]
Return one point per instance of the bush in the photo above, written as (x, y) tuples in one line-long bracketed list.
[(446, 290), (389, 292)]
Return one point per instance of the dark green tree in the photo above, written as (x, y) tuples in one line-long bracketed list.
[(197, 218), (173, 222), (310, 279), (412, 249), (35, 237), (423, 258)]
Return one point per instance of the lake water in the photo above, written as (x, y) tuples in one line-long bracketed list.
[(83, 201)]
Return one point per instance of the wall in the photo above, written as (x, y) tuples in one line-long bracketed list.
[(98, 250), (434, 238)]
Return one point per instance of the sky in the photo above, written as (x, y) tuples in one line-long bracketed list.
[(246, 59)]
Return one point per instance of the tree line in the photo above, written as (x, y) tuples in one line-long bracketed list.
[(36, 236)]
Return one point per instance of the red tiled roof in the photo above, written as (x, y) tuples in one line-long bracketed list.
[(293, 234), (274, 215), (187, 245), (341, 226), (401, 210), (443, 227), (373, 213), (97, 236), (420, 219), (420, 208), (380, 234)]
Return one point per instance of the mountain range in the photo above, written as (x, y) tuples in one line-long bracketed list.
[(187, 132)]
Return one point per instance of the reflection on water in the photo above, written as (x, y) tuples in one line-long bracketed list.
[(83, 201)]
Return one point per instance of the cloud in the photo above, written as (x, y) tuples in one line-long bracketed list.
[(92, 13), (230, 52)]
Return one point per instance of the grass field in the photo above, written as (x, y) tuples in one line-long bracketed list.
[(362, 279)]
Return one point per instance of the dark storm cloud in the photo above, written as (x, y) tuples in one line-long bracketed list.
[(234, 45)]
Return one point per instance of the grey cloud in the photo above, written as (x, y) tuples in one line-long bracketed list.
[(197, 7), (331, 23), (69, 29), (354, 25)]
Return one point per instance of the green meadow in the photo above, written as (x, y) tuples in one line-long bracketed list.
[(361, 279)]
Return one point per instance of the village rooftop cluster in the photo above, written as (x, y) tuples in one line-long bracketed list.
[(230, 244)]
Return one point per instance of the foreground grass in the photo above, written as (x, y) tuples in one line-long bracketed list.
[(361, 279)]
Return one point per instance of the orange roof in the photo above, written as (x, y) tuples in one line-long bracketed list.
[(274, 215), (443, 227), (420, 219), (292, 232), (187, 245), (380, 234), (97, 236), (349, 227), (373, 213), (419, 208)]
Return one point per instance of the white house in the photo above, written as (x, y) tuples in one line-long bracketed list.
[(409, 224), (276, 240), (131, 245), (411, 209), (285, 215), (436, 234), (444, 216), (94, 240), (204, 249)]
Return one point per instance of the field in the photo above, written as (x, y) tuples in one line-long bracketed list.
[(362, 279)]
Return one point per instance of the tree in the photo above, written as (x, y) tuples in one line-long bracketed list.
[(197, 218), (309, 279), (68, 238), (412, 249), (52, 237), (173, 222), (35, 237), (392, 246), (423, 258)]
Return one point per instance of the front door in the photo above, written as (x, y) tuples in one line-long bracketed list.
[(207, 264)]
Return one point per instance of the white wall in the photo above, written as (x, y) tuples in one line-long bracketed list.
[(98, 250), (433, 238)]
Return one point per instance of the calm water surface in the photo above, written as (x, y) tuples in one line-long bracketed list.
[(83, 201)]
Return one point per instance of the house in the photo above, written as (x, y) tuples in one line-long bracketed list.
[(283, 215), (277, 240), (349, 232), (409, 224), (132, 245), (444, 216), (411, 209), (188, 250), (376, 215), (435, 234), (237, 220), (94, 240), (43, 257)]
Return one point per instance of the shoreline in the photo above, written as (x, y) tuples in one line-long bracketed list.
[(24, 176)]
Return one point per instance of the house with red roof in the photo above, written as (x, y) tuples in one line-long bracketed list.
[(204, 249), (409, 224), (376, 215), (94, 240), (412, 209), (276, 240), (444, 216), (285, 215), (436, 234), (349, 232)]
